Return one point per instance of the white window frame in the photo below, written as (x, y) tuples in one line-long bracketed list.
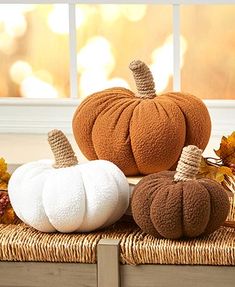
[(37, 116)]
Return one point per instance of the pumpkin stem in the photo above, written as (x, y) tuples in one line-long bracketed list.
[(143, 79), (62, 149), (188, 164)]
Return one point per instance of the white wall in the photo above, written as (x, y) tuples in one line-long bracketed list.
[(21, 148), (24, 126)]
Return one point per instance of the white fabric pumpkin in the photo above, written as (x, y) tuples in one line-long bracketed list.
[(81, 197)]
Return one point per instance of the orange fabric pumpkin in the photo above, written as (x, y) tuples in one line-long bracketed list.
[(141, 133), (174, 205)]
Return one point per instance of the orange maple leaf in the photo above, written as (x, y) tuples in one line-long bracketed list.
[(227, 149)]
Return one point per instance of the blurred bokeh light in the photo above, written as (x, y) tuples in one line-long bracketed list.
[(34, 48), (34, 59), (209, 65)]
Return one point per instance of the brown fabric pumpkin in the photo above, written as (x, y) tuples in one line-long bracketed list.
[(176, 204), (141, 133)]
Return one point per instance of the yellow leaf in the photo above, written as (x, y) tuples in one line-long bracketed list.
[(219, 177), (231, 138), (227, 149), (225, 170), (5, 177), (214, 172), (3, 167), (3, 185), (9, 216), (207, 170)]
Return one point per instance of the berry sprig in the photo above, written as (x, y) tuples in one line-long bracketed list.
[(7, 214), (4, 202)]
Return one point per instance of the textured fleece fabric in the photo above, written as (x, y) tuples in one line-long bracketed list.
[(141, 136), (164, 208), (79, 198)]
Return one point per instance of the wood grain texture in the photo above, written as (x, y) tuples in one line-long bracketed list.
[(108, 263), (35, 274), (171, 276)]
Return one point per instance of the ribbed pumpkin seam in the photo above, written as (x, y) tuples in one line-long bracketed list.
[(129, 132), (185, 120), (85, 212), (170, 117), (155, 195), (44, 183), (208, 191), (118, 103), (87, 101), (93, 125), (118, 197), (159, 102)]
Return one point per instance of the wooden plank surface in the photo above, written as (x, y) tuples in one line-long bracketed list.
[(37, 274), (108, 263), (33, 274), (177, 275)]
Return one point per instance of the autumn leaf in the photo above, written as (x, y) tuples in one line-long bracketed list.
[(9, 216), (221, 172), (221, 169), (3, 185), (227, 149), (217, 173), (206, 170), (5, 177), (3, 167)]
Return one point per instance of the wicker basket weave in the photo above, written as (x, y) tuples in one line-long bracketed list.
[(19, 242)]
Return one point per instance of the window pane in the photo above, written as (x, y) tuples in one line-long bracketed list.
[(34, 53), (34, 48), (110, 36), (208, 33)]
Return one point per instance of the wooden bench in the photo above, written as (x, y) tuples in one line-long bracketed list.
[(109, 273), (119, 256)]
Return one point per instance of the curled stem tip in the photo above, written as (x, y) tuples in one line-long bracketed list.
[(143, 79)]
